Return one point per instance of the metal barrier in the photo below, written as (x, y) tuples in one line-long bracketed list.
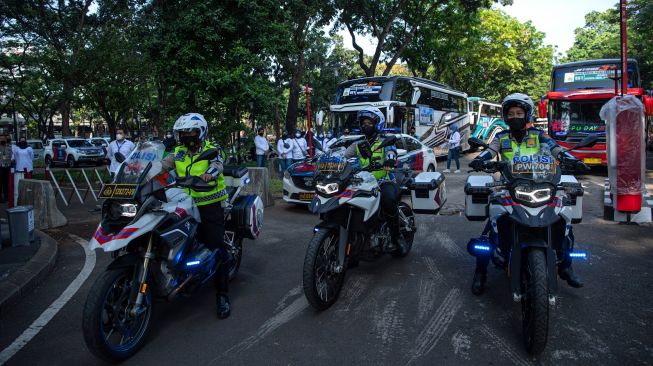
[(81, 185)]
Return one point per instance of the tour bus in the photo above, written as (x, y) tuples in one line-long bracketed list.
[(485, 118), (431, 107), (578, 91)]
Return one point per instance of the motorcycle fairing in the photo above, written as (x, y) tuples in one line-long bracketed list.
[(110, 243)]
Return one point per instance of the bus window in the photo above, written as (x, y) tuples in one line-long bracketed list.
[(403, 91), (485, 110)]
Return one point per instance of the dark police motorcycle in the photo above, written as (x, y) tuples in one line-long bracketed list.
[(149, 227), (531, 209), (352, 228)]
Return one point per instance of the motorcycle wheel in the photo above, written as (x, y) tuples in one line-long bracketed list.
[(237, 256), (409, 236), (110, 332), (535, 302), (322, 284)]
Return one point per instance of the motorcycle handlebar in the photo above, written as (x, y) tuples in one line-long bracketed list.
[(194, 183)]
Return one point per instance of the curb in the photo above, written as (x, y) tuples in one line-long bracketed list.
[(30, 274)]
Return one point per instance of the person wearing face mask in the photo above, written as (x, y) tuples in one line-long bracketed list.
[(319, 141), (329, 140), (519, 139), (372, 121), (119, 145), (299, 147), (284, 149), (23, 158), (192, 129), (169, 142), (454, 149), (262, 147), (5, 167)]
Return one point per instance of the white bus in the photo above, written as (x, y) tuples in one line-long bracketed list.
[(431, 107), (485, 118)]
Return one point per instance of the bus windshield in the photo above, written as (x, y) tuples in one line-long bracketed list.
[(364, 91), (591, 76), (574, 118), (339, 121)]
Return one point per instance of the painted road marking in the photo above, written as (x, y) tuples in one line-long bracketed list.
[(53, 309)]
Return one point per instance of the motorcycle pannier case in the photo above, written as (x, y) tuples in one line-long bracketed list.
[(247, 216), (575, 193), (427, 192), (477, 197)]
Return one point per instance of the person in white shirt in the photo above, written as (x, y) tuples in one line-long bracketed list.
[(299, 147), (329, 140), (284, 149), (262, 147), (454, 149), (23, 157), (119, 145)]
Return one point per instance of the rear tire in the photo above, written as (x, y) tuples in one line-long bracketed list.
[(70, 162), (48, 161), (409, 235), (322, 284), (109, 297), (535, 301), (237, 254)]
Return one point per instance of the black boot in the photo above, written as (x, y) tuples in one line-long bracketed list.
[(223, 306), (568, 275), (478, 284)]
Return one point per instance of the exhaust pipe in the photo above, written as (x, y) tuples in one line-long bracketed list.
[(177, 290)]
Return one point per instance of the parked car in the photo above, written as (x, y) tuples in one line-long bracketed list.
[(72, 151), (298, 178), (102, 142)]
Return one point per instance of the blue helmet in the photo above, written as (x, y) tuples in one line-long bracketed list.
[(374, 114)]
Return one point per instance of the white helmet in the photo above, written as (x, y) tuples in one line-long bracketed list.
[(192, 121)]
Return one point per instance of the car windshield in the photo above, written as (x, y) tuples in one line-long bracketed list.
[(538, 167), (35, 145), (79, 143), (143, 163)]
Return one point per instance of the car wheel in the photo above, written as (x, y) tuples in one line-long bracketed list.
[(431, 168), (48, 160), (70, 162)]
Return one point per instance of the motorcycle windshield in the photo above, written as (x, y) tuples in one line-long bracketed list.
[(330, 166), (142, 164), (539, 167)]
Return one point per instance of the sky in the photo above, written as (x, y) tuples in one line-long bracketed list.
[(557, 18)]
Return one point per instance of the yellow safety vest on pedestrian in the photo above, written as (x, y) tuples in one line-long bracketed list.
[(197, 168), (379, 156), (529, 146)]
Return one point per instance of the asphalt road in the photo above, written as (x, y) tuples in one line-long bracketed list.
[(417, 310)]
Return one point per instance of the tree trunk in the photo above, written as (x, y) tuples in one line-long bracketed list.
[(277, 123), (293, 100)]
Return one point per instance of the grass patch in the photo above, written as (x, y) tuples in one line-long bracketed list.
[(276, 187)]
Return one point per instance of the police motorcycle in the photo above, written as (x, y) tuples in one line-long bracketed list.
[(352, 227), (531, 206), (149, 225)]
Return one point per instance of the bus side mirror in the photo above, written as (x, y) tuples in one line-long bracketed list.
[(648, 105), (416, 95), (541, 108), (319, 118)]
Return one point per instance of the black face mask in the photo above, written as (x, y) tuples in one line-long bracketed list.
[(190, 141), (22, 144), (284, 136), (516, 124), (260, 133), (367, 130)]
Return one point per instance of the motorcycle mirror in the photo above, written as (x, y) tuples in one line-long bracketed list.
[(587, 141), (389, 140), (476, 143), (209, 154), (119, 157)]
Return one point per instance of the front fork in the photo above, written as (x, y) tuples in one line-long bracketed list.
[(138, 308), (516, 257)]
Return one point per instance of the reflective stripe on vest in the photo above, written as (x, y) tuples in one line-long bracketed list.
[(197, 168), (380, 158), (529, 146)]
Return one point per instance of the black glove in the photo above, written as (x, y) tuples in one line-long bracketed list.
[(582, 167), (389, 164), (477, 164)]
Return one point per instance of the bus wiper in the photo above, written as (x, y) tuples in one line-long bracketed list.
[(591, 87)]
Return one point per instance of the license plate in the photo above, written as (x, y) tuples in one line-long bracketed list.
[(306, 196), (595, 161), (118, 191)]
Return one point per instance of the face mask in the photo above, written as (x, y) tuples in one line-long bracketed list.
[(367, 130), (329, 135), (284, 136), (320, 136), (22, 144), (298, 135), (260, 133), (190, 141), (516, 124), (119, 136)]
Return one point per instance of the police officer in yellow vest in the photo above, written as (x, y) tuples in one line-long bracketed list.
[(372, 121), (192, 129), (517, 110)]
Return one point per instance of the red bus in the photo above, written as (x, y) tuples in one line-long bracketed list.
[(578, 91)]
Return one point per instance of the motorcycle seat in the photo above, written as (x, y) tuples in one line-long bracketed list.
[(235, 171)]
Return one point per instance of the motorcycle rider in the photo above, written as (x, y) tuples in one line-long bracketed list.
[(517, 110), (192, 129), (371, 121)]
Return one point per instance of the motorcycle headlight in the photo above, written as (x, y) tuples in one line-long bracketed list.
[(533, 195), (128, 209), (329, 188)]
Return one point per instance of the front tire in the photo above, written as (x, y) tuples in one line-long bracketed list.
[(535, 301), (48, 161), (322, 284), (406, 228), (106, 319), (70, 162)]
